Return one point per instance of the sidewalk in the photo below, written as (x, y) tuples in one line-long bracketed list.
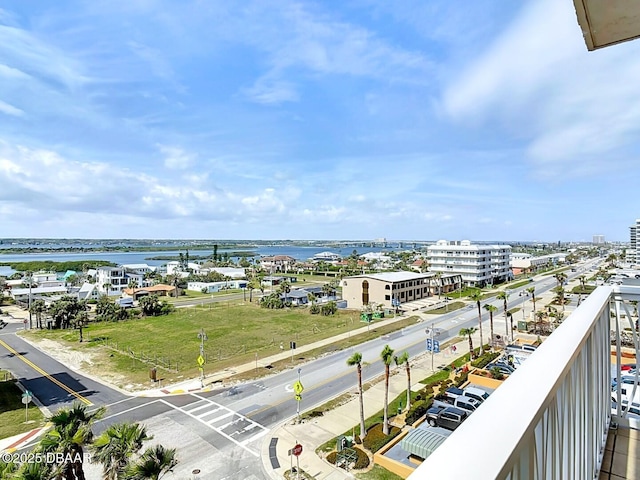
[(313, 433)]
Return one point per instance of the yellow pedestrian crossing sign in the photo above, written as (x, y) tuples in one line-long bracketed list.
[(200, 360), (298, 388)]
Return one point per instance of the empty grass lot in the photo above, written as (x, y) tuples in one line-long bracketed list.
[(236, 333)]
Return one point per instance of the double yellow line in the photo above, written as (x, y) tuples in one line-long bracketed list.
[(45, 374)]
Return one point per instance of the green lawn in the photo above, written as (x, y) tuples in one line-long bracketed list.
[(12, 411), (513, 286), (378, 473), (449, 308), (236, 333)]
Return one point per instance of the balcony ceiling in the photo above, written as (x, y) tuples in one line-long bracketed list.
[(607, 22)]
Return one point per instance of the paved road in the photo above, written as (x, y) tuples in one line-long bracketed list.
[(220, 432)]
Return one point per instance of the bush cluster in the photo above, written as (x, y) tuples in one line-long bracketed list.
[(418, 410), (362, 460), (461, 379), (375, 439), (485, 359)]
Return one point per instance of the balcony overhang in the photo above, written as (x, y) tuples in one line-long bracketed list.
[(607, 22)]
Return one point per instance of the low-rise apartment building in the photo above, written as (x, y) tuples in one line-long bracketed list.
[(479, 265), (392, 289)]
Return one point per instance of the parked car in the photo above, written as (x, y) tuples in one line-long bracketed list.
[(467, 404), (521, 348), (446, 417), (477, 393), (504, 368)]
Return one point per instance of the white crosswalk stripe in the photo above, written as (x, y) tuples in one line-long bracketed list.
[(220, 419)]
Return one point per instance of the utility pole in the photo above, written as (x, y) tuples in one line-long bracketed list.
[(201, 360), (30, 284)]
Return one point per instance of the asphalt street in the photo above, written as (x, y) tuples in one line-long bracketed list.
[(223, 428)]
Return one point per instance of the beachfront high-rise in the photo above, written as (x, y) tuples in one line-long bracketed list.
[(632, 252)]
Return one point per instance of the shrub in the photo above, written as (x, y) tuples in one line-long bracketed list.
[(418, 410), (485, 359), (461, 379), (362, 461), (375, 439)]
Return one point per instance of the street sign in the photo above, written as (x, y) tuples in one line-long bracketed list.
[(298, 397), (433, 345), (201, 360), (297, 450), (297, 387), (26, 398)]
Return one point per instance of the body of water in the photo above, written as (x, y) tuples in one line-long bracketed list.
[(120, 258)]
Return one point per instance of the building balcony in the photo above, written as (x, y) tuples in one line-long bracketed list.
[(553, 418)]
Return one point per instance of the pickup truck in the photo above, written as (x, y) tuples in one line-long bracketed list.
[(465, 403), (446, 417)]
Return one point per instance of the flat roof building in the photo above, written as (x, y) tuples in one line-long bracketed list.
[(479, 265)]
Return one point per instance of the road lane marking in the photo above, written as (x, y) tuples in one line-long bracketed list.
[(128, 410), (45, 374)]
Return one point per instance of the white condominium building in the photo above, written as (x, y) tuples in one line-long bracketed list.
[(632, 253), (479, 265)]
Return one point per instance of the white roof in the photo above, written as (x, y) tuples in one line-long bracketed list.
[(36, 290), (397, 276), (138, 266)]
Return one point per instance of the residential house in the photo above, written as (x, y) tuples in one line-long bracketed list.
[(278, 263)]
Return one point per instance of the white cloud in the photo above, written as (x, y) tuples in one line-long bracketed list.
[(270, 91), (176, 158), (10, 109), (572, 106)]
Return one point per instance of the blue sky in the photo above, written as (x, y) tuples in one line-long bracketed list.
[(411, 119)]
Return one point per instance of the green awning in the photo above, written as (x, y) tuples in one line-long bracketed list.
[(423, 442)]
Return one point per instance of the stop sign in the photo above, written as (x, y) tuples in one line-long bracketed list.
[(297, 450)]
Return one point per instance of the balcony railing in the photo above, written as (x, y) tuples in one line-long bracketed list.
[(551, 418)]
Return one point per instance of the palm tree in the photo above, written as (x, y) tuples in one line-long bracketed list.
[(404, 359), (439, 283), (504, 296), (477, 297), (133, 284), (491, 308), (559, 291), (79, 321), (70, 433), (468, 332), (107, 287), (356, 359), (560, 278), (153, 464), (38, 307), (387, 357), (532, 291), (33, 471), (115, 447)]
